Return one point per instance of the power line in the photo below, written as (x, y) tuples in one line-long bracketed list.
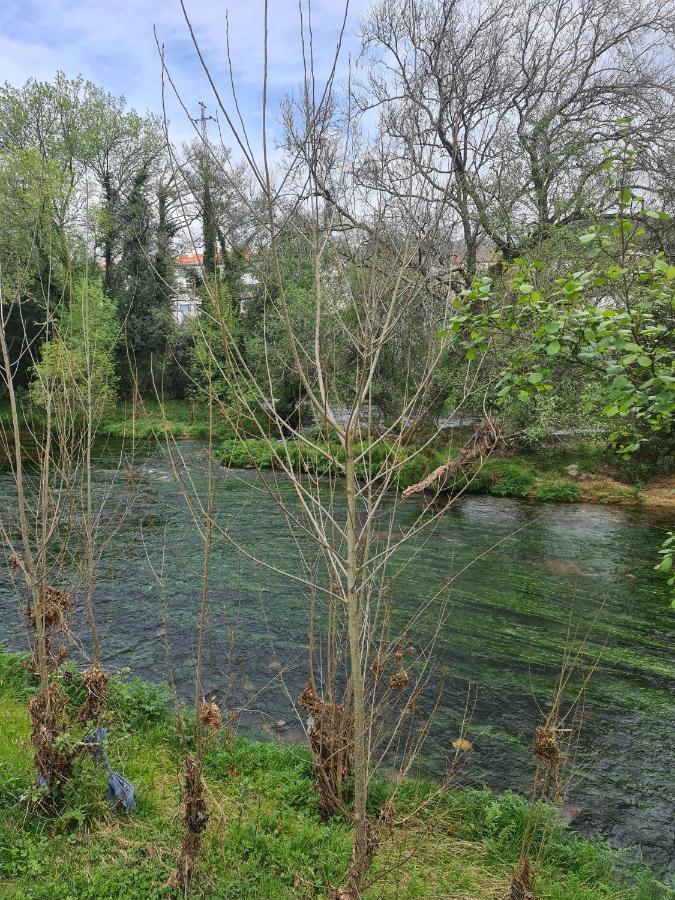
[(203, 119)]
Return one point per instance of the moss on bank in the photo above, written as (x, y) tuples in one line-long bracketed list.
[(266, 838)]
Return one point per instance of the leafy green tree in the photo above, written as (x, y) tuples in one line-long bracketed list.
[(76, 367), (141, 291)]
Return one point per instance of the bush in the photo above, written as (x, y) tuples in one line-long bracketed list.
[(138, 702), (654, 461), (560, 491), (511, 479)]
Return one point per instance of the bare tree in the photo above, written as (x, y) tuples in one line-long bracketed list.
[(512, 108), (365, 285)]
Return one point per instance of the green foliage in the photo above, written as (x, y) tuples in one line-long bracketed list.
[(144, 313), (76, 367), (610, 322), (667, 564), (138, 703), (558, 491)]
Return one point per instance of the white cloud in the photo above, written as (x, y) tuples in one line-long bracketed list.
[(112, 43)]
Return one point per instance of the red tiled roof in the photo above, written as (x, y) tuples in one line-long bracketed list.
[(190, 259)]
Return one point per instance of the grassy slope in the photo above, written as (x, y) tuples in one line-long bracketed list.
[(266, 838), (177, 418)]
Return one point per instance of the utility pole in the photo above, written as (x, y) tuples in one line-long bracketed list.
[(203, 119), (208, 220)]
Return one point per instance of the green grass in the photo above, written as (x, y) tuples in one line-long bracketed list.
[(176, 418), (266, 837)]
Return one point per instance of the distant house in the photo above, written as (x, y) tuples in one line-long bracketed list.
[(186, 303), (189, 273)]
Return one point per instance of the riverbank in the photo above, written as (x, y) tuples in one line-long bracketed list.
[(266, 838), (581, 474)]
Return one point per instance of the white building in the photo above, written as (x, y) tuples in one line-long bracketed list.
[(186, 303), (189, 272)]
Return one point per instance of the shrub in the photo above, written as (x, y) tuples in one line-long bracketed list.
[(138, 702), (559, 491), (511, 479)]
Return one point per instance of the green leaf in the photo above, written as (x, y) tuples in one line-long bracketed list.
[(535, 377), (553, 348), (644, 361), (587, 238)]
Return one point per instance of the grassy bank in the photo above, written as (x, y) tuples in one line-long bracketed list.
[(580, 474), (174, 418), (266, 837)]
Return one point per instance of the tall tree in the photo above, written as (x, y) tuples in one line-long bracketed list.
[(141, 291), (509, 109)]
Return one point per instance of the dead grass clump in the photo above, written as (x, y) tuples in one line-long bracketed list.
[(550, 759), (209, 716), (96, 690), (522, 882), (54, 606), (331, 738), (195, 822), (399, 680)]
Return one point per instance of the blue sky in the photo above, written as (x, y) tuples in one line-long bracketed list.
[(112, 43)]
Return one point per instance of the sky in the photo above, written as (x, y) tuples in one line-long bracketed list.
[(112, 43)]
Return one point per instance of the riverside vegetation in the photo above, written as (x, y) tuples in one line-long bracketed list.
[(270, 839)]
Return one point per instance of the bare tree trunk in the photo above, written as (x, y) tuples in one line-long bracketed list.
[(355, 631)]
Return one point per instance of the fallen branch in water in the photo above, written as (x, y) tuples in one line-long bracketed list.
[(486, 437)]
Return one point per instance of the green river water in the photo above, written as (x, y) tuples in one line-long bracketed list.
[(502, 640)]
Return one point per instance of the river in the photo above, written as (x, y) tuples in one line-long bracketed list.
[(538, 567)]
